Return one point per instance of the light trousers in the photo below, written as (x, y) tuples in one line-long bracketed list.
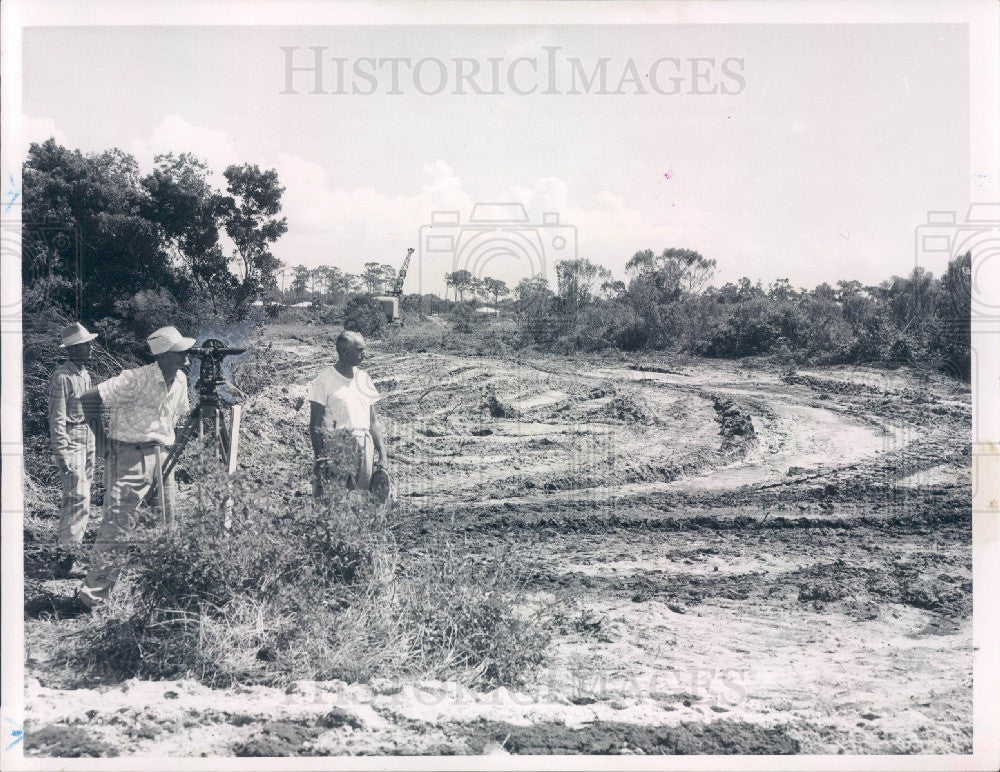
[(130, 473), (76, 478)]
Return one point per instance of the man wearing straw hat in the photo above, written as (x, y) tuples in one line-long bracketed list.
[(72, 435), (144, 406)]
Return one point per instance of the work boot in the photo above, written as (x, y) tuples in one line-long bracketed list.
[(79, 605), (87, 602), (64, 563)]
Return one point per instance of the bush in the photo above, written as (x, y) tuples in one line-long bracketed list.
[(500, 338), (463, 318), (295, 589), (467, 620), (363, 314)]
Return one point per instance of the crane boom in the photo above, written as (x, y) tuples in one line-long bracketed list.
[(397, 288)]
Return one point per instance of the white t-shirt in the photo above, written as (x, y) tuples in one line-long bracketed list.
[(347, 401)]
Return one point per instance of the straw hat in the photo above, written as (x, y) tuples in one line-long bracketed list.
[(74, 334), (168, 339)]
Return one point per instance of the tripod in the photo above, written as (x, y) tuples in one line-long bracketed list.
[(208, 419)]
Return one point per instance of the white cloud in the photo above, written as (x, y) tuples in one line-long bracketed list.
[(310, 201), (39, 130), (350, 226), (176, 135)]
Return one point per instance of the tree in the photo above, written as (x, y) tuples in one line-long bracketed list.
[(388, 277), (252, 223), (911, 299), (460, 281), (363, 314), (300, 282), (952, 339), (86, 242), (189, 212), (534, 308), (956, 289), (576, 280), (612, 289), (495, 288), (781, 289), (476, 287), (672, 272), (328, 281), (372, 278), (533, 296)]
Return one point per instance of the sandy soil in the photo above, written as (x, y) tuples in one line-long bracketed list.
[(745, 560)]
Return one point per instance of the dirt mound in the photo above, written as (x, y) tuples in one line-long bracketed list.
[(947, 595), (629, 407), (607, 737), (733, 421), (645, 368), (498, 408)]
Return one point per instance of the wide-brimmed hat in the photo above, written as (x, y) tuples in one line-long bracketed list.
[(75, 333), (168, 339)]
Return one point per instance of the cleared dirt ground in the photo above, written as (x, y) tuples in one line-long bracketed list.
[(743, 560)]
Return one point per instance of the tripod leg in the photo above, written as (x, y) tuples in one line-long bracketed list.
[(182, 440), (234, 437), (161, 492), (168, 464), (222, 435)]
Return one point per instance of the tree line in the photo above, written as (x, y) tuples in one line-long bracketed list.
[(667, 303), (127, 252), (332, 285), (98, 235)]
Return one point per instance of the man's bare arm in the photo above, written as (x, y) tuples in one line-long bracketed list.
[(93, 407), (377, 437)]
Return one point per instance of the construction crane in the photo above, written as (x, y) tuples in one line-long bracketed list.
[(390, 302)]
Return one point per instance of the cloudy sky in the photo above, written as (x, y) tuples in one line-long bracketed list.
[(838, 142)]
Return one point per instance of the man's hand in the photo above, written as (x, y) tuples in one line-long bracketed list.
[(64, 460), (100, 438)]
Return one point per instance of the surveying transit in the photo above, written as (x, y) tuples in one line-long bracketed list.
[(209, 416)]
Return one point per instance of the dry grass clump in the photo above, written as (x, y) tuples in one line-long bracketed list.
[(258, 586)]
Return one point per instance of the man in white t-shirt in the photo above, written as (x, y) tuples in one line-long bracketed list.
[(342, 422)]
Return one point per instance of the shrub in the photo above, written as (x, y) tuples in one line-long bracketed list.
[(467, 619), (363, 314), (253, 587), (498, 339)]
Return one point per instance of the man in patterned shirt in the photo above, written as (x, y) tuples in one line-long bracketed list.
[(144, 406), (72, 436)]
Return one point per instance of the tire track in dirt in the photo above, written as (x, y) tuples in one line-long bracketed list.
[(791, 434), (683, 621)]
